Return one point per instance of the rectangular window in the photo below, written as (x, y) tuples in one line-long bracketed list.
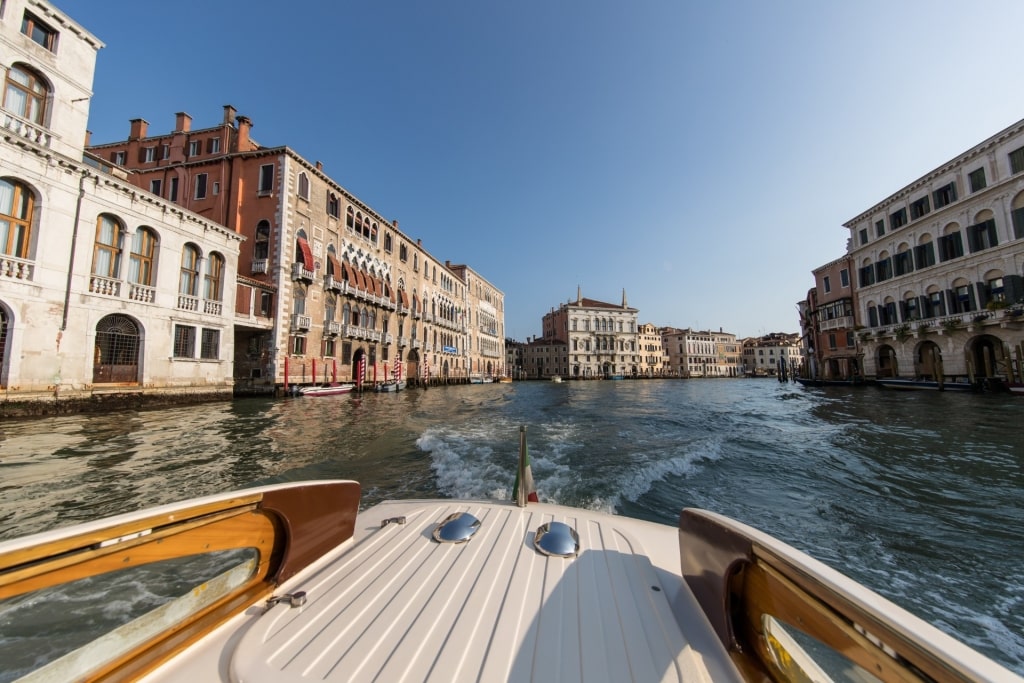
[(1017, 160), (149, 154), (867, 276), (184, 341), (864, 236), (39, 32), (832, 341), (201, 186), (924, 255), (920, 207), (883, 270), (210, 348), (849, 339), (827, 284), (267, 304), (266, 184), (950, 247), (165, 151), (936, 304), (897, 219), (879, 228), (904, 263), (982, 236), (976, 178), (195, 148), (298, 346), (118, 158), (172, 193), (216, 188), (1017, 216), (213, 146), (844, 277), (944, 195), (155, 186)]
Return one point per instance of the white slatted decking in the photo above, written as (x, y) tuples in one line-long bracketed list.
[(399, 606)]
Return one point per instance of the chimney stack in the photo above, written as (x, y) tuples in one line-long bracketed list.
[(229, 114), (320, 166), (244, 126), (394, 223), (138, 129), (182, 122)]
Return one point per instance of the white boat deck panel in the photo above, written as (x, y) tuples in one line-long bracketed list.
[(397, 606)]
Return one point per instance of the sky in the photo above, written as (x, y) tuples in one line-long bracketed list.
[(701, 156)]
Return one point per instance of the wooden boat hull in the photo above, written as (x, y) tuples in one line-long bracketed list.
[(391, 386), (374, 595)]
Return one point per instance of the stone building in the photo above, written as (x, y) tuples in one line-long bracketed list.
[(328, 289), (600, 338), (765, 356), (701, 353), (828, 324), (940, 268), (544, 358), (110, 295), (654, 361)]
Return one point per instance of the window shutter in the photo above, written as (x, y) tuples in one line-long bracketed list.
[(990, 225), (984, 293), (1013, 288), (952, 304)]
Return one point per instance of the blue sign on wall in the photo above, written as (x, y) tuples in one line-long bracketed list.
[(449, 349)]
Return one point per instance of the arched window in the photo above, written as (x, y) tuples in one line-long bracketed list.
[(350, 221), (141, 261), (116, 356), (25, 94), (106, 260), (213, 284), (261, 245), (333, 205), (346, 314), (387, 242), (17, 205), (188, 283)]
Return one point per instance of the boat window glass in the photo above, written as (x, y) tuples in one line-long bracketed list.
[(97, 619), (803, 658)]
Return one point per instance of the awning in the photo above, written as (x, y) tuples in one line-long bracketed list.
[(335, 266), (405, 298), (350, 274), (307, 253)]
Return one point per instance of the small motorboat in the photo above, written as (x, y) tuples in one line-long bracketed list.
[(556, 378), (391, 385), (332, 389)]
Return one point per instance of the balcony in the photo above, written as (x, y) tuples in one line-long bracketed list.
[(416, 315), (388, 339), (837, 323), (415, 343), (32, 132), (260, 265), (332, 285), (188, 303), (402, 310), (402, 342), (141, 293), (15, 269), (332, 328), (213, 307), (106, 286), (301, 322), (299, 273)]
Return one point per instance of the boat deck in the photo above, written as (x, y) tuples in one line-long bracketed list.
[(395, 605)]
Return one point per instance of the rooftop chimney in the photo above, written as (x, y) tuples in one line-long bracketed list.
[(244, 126), (320, 166), (138, 129), (394, 223), (182, 122), (229, 114), (88, 137)]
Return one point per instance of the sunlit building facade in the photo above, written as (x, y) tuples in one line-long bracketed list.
[(600, 338)]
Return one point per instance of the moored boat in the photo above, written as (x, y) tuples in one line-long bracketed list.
[(306, 586), (332, 389), (924, 384), (811, 382), (391, 385)]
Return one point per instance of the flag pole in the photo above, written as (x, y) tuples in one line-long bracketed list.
[(521, 472)]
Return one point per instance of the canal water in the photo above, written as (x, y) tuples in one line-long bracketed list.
[(918, 495)]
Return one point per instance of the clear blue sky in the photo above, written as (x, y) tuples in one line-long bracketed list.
[(701, 155)]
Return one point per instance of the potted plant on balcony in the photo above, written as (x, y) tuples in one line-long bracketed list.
[(950, 324), (901, 332)]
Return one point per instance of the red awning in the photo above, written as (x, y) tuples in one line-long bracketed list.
[(307, 253), (335, 265), (405, 298), (350, 274)]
